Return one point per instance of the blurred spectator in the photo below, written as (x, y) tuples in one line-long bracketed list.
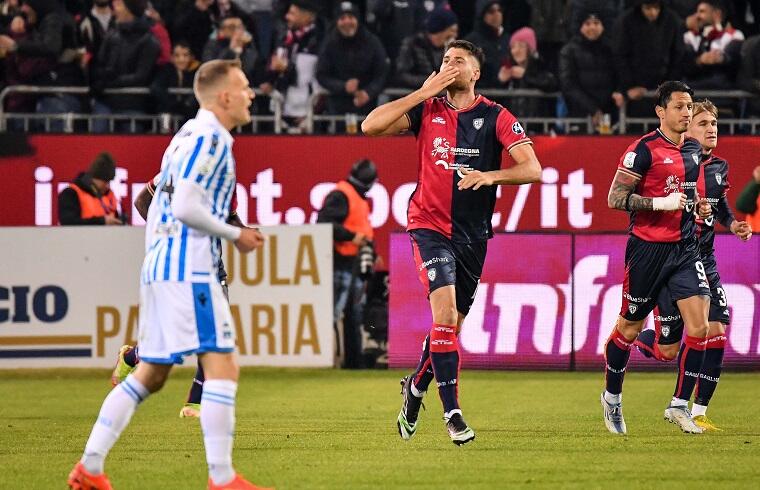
[(749, 73), (89, 199), (348, 210), (48, 42), (393, 22), (8, 10), (422, 53), (195, 23), (526, 70), (517, 14), (749, 200), (587, 72), (648, 47), (233, 41), (128, 58), (489, 35), (159, 31), (262, 19), (684, 8), (549, 20), (607, 10), (746, 16), (292, 67), (93, 27), (712, 48), (178, 74), (352, 65)]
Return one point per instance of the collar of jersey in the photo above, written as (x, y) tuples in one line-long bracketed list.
[(208, 117), (465, 109), (677, 145)]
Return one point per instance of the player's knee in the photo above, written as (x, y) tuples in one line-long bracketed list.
[(667, 352), (629, 329), (446, 315), (716, 328)]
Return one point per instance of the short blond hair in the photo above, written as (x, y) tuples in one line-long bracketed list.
[(705, 106), (211, 73)]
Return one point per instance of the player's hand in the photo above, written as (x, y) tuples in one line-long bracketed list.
[(249, 239), (674, 202), (436, 82), (474, 179), (742, 230), (704, 210)]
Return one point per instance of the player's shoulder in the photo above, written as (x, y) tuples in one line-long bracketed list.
[(642, 145), (719, 162)]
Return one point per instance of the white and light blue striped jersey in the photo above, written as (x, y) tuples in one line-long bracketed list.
[(200, 152)]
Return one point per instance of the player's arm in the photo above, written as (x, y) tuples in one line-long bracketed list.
[(526, 170), (725, 216), (390, 118), (143, 199)]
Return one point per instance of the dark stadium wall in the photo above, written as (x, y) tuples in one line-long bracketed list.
[(283, 179)]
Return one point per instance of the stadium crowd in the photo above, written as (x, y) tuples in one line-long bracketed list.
[(598, 53)]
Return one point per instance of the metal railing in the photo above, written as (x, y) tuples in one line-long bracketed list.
[(157, 122), (162, 123)]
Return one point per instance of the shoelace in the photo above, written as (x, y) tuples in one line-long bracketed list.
[(616, 413)]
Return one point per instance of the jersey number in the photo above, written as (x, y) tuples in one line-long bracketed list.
[(722, 301), (701, 274)]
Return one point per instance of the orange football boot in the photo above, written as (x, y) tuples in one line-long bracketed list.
[(80, 479), (239, 483)]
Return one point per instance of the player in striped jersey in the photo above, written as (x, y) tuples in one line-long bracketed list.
[(182, 308)]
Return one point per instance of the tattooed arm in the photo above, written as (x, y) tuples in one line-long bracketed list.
[(622, 197)]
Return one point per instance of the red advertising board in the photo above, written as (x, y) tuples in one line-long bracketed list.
[(283, 179), (546, 300)]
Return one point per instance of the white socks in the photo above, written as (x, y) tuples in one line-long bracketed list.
[(417, 393), (114, 416), (678, 402), (218, 424), (697, 409), (613, 399)]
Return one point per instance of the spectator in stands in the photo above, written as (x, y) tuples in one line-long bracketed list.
[(517, 14), (292, 68), (178, 74), (261, 21), (749, 200), (749, 73), (128, 58), (49, 41), (393, 22), (161, 34), (353, 66), (233, 41), (93, 26), (489, 35), (195, 23), (348, 210), (549, 20), (587, 72), (422, 53), (648, 47), (712, 48), (8, 10), (526, 70), (89, 199)]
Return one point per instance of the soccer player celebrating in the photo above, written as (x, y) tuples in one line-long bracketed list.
[(656, 183), (662, 343), (182, 307), (460, 140)]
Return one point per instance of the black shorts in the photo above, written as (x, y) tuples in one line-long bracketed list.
[(652, 266), (441, 262), (667, 319)]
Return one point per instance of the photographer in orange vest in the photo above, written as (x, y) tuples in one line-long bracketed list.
[(89, 199), (347, 209)]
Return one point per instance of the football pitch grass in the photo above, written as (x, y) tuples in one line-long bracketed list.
[(328, 429)]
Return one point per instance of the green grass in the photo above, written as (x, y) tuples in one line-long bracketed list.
[(336, 429)]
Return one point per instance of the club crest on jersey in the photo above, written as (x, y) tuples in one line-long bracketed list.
[(718, 178), (695, 157), (517, 129), (206, 166), (477, 123), (672, 184), (629, 159), (431, 274), (632, 308), (665, 330)]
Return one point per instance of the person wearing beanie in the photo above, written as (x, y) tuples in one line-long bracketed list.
[(127, 58), (348, 210), (493, 39), (89, 200), (422, 53), (524, 69), (353, 65), (587, 73)]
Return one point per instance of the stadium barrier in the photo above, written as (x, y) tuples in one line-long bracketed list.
[(549, 301), (69, 296)]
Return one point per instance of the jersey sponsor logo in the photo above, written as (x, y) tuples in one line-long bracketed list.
[(628, 160), (695, 157), (669, 318), (441, 148), (635, 299), (438, 120), (477, 123), (517, 129), (667, 160), (718, 179), (434, 260), (431, 274), (709, 221), (665, 330), (672, 184)]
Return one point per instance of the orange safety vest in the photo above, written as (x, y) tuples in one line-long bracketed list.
[(754, 218), (93, 206), (357, 220)]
